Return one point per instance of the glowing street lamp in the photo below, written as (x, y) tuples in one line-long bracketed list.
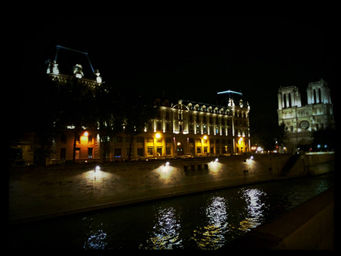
[(205, 137), (86, 134), (158, 135)]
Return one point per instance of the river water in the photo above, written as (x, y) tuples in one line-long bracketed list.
[(208, 221)]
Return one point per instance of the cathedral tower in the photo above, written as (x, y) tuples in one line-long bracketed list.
[(318, 92), (289, 97)]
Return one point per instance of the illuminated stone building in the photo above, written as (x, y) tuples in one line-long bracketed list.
[(190, 129), (184, 129), (301, 120), (86, 142)]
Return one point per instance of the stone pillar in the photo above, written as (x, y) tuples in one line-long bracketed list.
[(280, 106), (233, 134), (309, 96), (298, 99), (173, 120), (154, 125), (323, 96), (201, 125), (194, 126), (287, 100)]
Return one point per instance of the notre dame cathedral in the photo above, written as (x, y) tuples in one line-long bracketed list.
[(302, 120)]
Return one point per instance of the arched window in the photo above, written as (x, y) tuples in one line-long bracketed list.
[(289, 96), (314, 94), (320, 96)]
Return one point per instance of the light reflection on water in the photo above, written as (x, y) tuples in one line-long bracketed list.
[(165, 233), (206, 221), (96, 237), (255, 209), (211, 236)]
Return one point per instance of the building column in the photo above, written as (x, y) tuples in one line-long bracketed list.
[(323, 96), (293, 99), (154, 125), (280, 101), (309, 96), (233, 135), (287, 100)]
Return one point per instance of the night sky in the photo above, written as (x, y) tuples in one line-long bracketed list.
[(191, 57)]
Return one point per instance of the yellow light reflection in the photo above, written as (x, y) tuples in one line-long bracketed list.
[(215, 167), (255, 209), (249, 162), (167, 173), (247, 224), (212, 236), (166, 231), (96, 174)]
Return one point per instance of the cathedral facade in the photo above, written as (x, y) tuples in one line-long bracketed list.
[(301, 120)]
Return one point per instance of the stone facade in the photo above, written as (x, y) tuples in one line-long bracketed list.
[(184, 129), (190, 129), (302, 120)]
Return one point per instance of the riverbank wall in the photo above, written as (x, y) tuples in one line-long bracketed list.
[(307, 227), (36, 194)]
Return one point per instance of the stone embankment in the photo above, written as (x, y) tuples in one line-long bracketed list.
[(36, 194), (309, 226)]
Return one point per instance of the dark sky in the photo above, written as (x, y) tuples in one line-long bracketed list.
[(192, 57)]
